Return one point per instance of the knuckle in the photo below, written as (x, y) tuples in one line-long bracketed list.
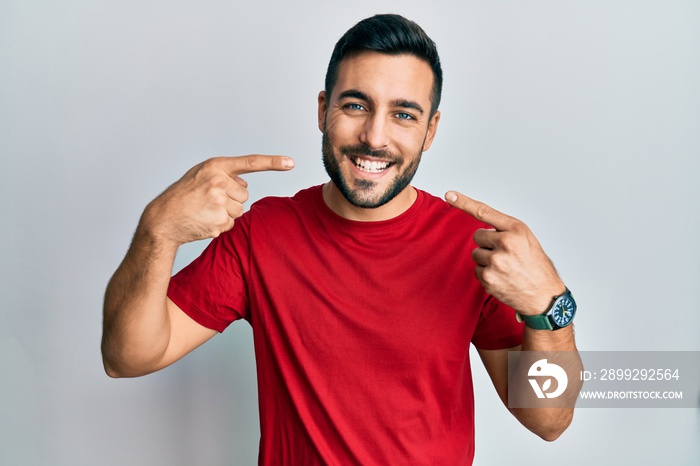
[(237, 210), (202, 173), (485, 279), (510, 241), (519, 242), (519, 227), (225, 226), (218, 182), (499, 262), (215, 195), (211, 163), (483, 211), (252, 161)]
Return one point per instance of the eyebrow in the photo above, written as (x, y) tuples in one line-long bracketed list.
[(403, 103), (408, 104)]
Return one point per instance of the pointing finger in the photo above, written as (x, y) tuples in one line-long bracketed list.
[(256, 163), (480, 211)]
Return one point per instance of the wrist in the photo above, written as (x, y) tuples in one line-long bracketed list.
[(559, 314), (153, 233), (543, 300)]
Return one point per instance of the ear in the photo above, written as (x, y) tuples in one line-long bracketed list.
[(322, 108), (432, 129)]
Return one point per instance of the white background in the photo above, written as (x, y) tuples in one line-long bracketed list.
[(581, 117)]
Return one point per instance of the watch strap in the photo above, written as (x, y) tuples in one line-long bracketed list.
[(540, 322)]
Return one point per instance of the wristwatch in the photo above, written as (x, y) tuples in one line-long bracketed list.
[(559, 315)]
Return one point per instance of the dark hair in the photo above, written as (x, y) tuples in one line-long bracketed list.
[(393, 35)]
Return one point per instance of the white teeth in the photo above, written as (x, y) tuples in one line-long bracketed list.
[(370, 166)]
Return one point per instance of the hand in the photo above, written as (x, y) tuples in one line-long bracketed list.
[(510, 263), (206, 201)]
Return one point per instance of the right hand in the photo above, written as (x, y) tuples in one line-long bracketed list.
[(206, 201)]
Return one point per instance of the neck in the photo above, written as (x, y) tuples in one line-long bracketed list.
[(338, 204)]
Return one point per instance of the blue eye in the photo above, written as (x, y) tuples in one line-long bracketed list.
[(354, 106), (404, 116)]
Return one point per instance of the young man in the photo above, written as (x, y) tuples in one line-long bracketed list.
[(363, 294)]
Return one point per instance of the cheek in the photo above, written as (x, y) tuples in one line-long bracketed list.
[(343, 130), (410, 141)]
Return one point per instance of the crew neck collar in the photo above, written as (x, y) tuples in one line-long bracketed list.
[(344, 223)]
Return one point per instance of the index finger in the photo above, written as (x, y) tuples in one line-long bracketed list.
[(480, 211), (256, 163)]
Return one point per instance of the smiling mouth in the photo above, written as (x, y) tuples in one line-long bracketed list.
[(370, 166)]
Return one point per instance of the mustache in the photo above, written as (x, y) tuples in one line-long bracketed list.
[(363, 149)]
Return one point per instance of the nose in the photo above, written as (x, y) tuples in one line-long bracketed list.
[(375, 133)]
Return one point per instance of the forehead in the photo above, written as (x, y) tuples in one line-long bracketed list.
[(383, 76)]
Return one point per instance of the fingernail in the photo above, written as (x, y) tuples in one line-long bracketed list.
[(450, 196), (288, 163)]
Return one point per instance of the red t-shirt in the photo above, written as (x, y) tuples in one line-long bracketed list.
[(361, 329)]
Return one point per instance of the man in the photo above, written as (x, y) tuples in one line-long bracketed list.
[(363, 294)]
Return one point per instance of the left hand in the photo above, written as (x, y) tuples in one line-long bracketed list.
[(510, 263)]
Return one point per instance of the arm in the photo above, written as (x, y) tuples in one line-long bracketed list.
[(143, 330), (548, 423), (512, 267)]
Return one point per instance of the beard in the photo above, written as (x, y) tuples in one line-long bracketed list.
[(365, 193)]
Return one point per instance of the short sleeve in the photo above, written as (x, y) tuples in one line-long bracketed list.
[(212, 289), (497, 327)]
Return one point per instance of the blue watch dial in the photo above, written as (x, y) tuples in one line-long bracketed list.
[(563, 311)]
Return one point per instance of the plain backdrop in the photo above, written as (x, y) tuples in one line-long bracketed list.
[(582, 118)]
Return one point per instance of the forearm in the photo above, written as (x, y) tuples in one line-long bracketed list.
[(548, 340), (136, 327), (560, 348)]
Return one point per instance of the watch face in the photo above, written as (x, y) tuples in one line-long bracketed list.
[(563, 311)]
